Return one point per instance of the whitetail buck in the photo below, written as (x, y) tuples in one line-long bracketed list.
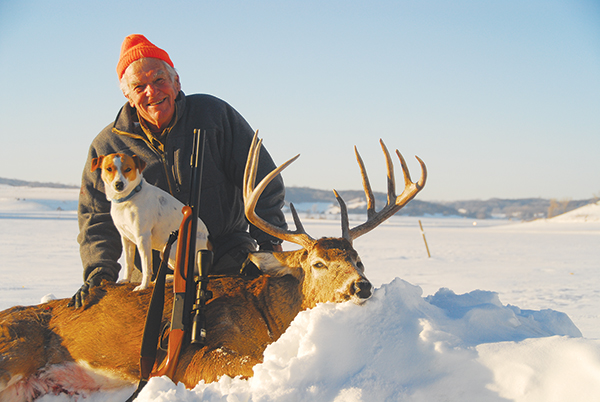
[(52, 348)]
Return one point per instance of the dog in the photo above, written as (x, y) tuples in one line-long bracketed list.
[(144, 215)]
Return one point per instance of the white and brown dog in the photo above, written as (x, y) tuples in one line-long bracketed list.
[(144, 214)]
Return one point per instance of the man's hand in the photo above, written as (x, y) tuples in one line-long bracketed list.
[(79, 297)]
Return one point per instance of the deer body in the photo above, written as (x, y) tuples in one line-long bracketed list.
[(66, 339), (55, 347)]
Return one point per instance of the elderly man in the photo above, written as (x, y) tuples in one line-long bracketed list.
[(157, 124)]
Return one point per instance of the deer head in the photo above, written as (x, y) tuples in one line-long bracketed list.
[(329, 269)]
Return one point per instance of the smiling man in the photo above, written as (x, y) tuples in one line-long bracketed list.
[(157, 124), (152, 92)]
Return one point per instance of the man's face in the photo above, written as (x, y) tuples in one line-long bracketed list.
[(152, 92)]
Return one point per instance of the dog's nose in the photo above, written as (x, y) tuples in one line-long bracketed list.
[(119, 186)]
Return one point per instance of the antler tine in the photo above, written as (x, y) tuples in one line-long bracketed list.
[(409, 186), (421, 183), (297, 223), (366, 185), (344, 214), (407, 180), (252, 194), (250, 170), (405, 171), (391, 180), (394, 204)]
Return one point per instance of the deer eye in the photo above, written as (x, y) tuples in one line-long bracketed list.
[(319, 265)]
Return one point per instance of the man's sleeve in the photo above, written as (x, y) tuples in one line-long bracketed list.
[(272, 200)]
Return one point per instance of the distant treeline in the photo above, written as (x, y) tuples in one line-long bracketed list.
[(521, 209), (23, 183)]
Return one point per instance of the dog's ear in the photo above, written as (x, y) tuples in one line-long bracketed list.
[(97, 162), (139, 163)]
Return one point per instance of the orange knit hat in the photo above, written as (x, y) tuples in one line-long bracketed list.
[(136, 47)]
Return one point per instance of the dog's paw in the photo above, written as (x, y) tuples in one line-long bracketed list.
[(140, 287), (124, 280)]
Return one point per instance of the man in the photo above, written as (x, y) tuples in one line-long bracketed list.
[(157, 124)]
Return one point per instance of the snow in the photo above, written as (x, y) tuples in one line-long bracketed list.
[(502, 311)]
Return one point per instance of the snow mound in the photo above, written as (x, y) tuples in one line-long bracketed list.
[(587, 213), (399, 346), (47, 298)]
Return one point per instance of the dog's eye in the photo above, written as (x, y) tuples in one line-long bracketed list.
[(128, 170), (109, 169)]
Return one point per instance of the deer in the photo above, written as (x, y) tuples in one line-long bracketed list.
[(51, 348)]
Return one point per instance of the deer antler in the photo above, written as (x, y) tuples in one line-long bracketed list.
[(252, 194), (394, 204)]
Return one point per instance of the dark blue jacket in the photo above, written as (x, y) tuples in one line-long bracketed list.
[(227, 144)]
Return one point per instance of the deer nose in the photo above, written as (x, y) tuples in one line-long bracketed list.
[(362, 288), (119, 186)]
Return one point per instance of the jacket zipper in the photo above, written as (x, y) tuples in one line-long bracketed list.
[(166, 168)]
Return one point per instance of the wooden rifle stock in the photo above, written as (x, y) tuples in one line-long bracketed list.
[(179, 317)]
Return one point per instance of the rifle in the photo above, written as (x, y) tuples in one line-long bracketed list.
[(185, 299)]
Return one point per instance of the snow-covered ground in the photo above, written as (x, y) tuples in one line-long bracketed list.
[(501, 311)]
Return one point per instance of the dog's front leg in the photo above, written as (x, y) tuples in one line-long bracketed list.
[(128, 258), (145, 250)]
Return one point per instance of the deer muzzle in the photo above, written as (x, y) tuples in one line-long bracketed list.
[(362, 289)]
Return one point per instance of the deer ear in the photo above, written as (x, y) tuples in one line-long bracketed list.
[(276, 264)]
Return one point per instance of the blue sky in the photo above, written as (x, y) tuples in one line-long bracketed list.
[(499, 98)]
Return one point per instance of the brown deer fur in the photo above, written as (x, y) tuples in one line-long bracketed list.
[(243, 317)]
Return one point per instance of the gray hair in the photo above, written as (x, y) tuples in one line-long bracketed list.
[(124, 83)]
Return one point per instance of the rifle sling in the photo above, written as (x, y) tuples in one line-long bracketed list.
[(154, 320)]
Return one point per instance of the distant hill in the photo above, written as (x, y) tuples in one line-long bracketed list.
[(356, 202), (521, 209), (23, 183)]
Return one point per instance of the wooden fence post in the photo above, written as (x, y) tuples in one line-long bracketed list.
[(424, 239)]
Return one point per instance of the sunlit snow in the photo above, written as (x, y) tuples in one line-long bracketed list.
[(502, 311)]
